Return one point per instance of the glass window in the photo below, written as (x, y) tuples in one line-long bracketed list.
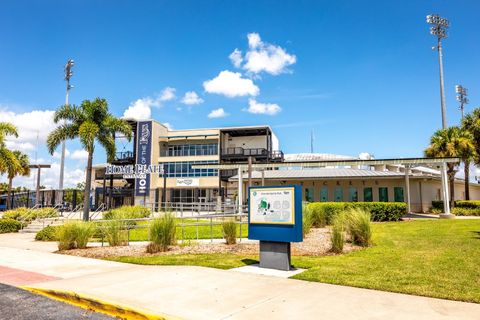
[(398, 194), (352, 194), (192, 150), (324, 194), (367, 194), (338, 194), (309, 194), (383, 194)]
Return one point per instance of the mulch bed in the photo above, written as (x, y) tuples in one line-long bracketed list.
[(316, 243)]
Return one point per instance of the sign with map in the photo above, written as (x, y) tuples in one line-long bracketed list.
[(272, 205)]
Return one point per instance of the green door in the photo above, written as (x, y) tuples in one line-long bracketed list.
[(352, 194), (383, 194), (324, 194), (367, 194), (338, 194), (398, 194), (309, 194)]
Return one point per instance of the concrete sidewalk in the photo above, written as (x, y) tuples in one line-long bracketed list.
[(204, 293)]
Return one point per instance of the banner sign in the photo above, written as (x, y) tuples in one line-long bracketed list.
[(272, 205), (275, 213), (144, 156), (188, 182)]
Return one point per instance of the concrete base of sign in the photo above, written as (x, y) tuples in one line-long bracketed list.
[(275, 255)]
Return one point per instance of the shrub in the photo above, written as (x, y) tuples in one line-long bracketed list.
[(9, 225), (306, 220), (127, 212), (17, 213), (49, 233), (115, 232), (45, 213), (338, 233), (162, 233), (27, 215), (380, 211), (229, 231), (74, 235), (358, 226), (465, 211)]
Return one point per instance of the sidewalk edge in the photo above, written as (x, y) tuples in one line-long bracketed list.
[(98, 305)]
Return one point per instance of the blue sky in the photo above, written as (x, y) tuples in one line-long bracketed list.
[(361, 74)]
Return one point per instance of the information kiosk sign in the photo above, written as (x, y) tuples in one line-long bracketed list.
[(275, 218)]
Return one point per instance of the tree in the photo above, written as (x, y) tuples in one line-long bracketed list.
[(90, 122), (450, 142), (22, 167), (7, 158), (471, 122)]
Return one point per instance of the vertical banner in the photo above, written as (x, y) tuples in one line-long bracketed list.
[(144, 156)]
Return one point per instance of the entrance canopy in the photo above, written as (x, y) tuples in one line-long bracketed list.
[(408, 163)]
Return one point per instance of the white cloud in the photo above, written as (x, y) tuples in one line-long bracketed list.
[(264, 57), (57, 155), (141, 109), (167, 94), (79, 154), (168, 125), (30, 125), (191, 98), (231, 84), (263, 108), (217, 113), (236, 58)]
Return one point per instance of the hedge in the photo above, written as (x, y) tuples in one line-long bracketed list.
[(27, 215), (379, 211), (9, 225), (127, 212), (460, 208), (49, 233)]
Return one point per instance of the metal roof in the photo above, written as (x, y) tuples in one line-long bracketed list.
[(335, 163), (322, 173)]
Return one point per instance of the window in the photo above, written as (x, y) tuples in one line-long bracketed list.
[(398, 194), (184, 169), (338, 194), (309, 194), (182, 150), (383, 194), (367, 194), (324, 194), (352, 194)]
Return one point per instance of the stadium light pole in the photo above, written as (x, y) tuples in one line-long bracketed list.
[(68, 75), (439, 29), (462, 94)]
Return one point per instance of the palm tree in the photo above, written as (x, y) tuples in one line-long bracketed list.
[(14, 170), (7, 158), (90, 122), (471, 122), (451, 142)]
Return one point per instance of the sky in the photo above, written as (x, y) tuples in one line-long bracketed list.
[(361, 75)]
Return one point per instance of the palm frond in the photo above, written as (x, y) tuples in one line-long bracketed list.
[(61, 133), (87, 132)]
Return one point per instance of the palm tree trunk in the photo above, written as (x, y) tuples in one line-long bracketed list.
[(86, 193), (9, 192), (467, 179)]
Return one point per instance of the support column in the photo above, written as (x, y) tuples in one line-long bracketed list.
[(240, 190), (407, 188), (446, 194), (37, 200)]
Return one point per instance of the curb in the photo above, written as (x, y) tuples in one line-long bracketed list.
[(98, 305)]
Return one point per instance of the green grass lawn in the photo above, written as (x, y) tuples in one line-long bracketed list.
[(190, 232), (436, 258)]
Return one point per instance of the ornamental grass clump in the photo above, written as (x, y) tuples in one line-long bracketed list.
[(229, 231), (115, 232), (338, 233), (359, 226), (307, 222), (74, 235), (162, 233)]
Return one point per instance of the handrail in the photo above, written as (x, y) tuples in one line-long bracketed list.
[(99, 209), (74, 210)]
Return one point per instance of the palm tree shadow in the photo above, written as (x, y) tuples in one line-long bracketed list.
[(249, 261), (477, 234)]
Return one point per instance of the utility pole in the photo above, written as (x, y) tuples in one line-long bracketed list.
[(439, 29), (312, 138), (462, 94), (68, 75)]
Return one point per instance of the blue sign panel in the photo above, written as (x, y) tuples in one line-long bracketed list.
[(275, 213), (144, 156)]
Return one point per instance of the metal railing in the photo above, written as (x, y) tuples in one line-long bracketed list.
[(196, 208), (94, 214)]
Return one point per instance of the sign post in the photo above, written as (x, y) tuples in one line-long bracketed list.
[(275, 218)]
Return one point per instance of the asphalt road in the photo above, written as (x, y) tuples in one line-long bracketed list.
[(18, 304)]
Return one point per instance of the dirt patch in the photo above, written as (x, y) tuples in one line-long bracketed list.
[(316, 243)]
